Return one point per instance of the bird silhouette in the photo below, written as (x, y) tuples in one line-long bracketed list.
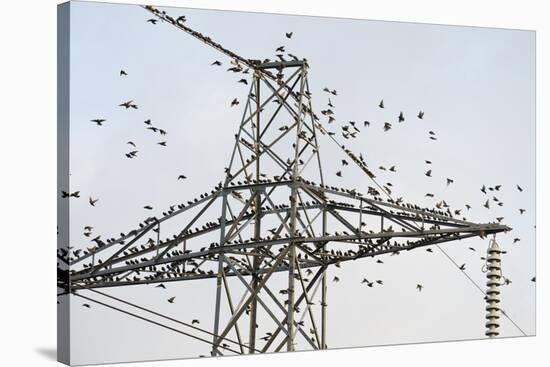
[(289, 35), (92, 201), (182, 177), (171, 299), (387, 126), (122, 72), (234, 102), (369, 284), (429, 173), (419, 287), (519, 188), (216, 63), (420, 114), (129, 104), (381, 104), (152, 21), (162, 143), (401, 118)]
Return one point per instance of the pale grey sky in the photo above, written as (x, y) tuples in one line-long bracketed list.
[(476, 86)]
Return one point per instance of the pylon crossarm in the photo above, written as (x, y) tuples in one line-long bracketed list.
[(363, 239)]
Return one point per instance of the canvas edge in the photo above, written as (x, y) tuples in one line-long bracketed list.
[(63, 118)]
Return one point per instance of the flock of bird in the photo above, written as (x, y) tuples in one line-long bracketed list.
[(349, 130)]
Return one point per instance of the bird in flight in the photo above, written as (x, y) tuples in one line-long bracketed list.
[(429, 173), (289, 35), (519, 188), (86, 305), (92, 201), (449, 181), (462, 267), (148, 207), (336, 279), (521, 211), (420, 114), (99, 122), (131, 154), (333, 92), (401, 118), (244, 81), (129, 104), (131, 143), (369, 284), (182, 177), (234, 102), (152, 21), (161, 286), (171, 299), (387, 126), (122, 72), (419, 287), (147, 122), (195, 321), (366, 123), (516, 240), (65, 194), (162, 143), (381, 104), (339, 173)]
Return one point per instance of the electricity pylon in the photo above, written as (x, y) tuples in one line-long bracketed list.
[(271, 220)]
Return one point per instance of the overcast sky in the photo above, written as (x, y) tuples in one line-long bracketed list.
[(476, 86)]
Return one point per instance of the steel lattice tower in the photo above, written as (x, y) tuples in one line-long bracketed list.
[(298, 226)]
